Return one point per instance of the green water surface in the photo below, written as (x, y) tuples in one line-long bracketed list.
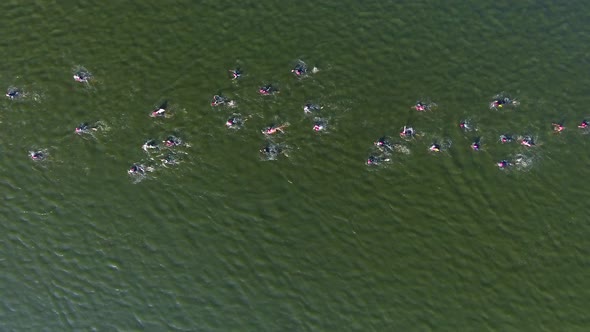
[(315, 240)]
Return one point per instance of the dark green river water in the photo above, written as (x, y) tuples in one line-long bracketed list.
[(315, 240)]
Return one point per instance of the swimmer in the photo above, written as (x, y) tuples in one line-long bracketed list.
[(557, 128), (218, 100), (235, 121), (376, 160), (407, 132), (236, 73), (272, 129), (37, 155), (434, 148), (160, 111), (82, 76), (172, 141), (503, 164), (85, 128), (583, 124), (465, 125), (267, 90), (383, 144), (420, 107), (82, 128), (311, 108), (506, 138), (169, 159), (319, 125), (13, 93), (475, 145), (500, 102), (300, 69), (527, 141), (136, 169), (271, 151), (150, 144)]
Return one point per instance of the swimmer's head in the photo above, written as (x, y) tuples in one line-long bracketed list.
[(158, 113), (269, 130), (37, 155), (172, 141), (83, 127), (12, 93), (503, 164), (299, 69), (382, 142), (267, 89), (217, 100), (236, 73), (376, 160), (136, 169), (420, 106), (309, 107), (150, 144), (271, 150), (160, 110), (407, 132), (557, 127), (527, 141), (169, 159), (82, 76), (234, 121)]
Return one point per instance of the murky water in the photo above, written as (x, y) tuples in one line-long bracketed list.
[(314, 240)]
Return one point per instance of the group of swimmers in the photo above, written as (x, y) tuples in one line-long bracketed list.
[(526, 140), (166, 151), (168, 155), (384, 145), (271, 150)]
